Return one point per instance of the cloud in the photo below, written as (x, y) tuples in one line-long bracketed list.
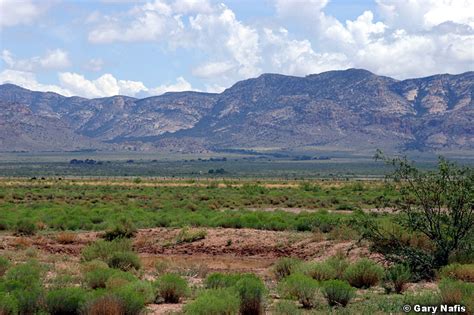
[(212, 69), (180, 85), (28, 80), (95, 64), (52, 60), (14, 12)]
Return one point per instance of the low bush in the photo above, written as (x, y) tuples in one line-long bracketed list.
[(337, 292), (284, 307), (124, 261), (364, 274), (8, 304), (66, 237), (25, 227), (133, 300), (93, 264), (171, 288), (214, 302), (320, 271), (65, 301), (186, 235), (122, 229), (105, 305), (97, 278), (103, 250), (4, 264), (145, 288), (300, 287), (285, 267), (396, 277), (458, 272), (339, 263), (457, 292), (219, 280), (251, 291)]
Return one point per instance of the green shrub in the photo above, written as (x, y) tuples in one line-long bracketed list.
[(458, 272), (25, 227), (187, 236), (219, 280), (103, 250), (145, 288), (320, 271), (133, 300), (397, 277), (123, 229), (171, 288), (124, 261), (300, 287), (4, 264), (8, 304), (457, 292), (97, 278), (65, 301), (364, 273), (251, 291), (287, 308), (214, 302), (337, 292), (285, 267), (339, 263), (105, 305), (23, 282)]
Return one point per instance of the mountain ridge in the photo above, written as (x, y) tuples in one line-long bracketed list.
[(348, 109)]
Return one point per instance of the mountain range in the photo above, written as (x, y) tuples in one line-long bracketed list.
[(352, 110)]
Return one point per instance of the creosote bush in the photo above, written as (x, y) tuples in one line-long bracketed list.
[(337, 292), (65, 301), (105, 305), (122, 229), (124, 260), (187, 235), (364, 273), (300, 287), (319, 271), (285, 267), (214, 302), (171, 288), (4, 265), (285, 307), (251, 291), (455, 292), (396, 277), (339, 263), (25, 227), (103, 250), (220, 280), (458, 272)]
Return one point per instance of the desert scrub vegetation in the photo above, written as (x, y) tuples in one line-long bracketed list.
[(299, 287), (438, 205), (396, 277), (337, 292), (214, 302), (187, 235), (285, 267), (463, 272), (364, 273), (171, 288), (117, 254)]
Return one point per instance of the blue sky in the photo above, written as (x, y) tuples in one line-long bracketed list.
[(140, 48)]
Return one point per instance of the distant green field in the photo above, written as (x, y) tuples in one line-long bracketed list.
[(69, 205), (283, 166)]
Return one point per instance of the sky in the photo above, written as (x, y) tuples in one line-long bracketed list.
[(98, 48)]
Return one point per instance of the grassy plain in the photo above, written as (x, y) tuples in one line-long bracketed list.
[(183, 231)]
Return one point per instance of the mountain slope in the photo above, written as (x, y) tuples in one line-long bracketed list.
[(352, 109)]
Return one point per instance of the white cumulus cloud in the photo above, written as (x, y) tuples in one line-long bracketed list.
[(52, 60)]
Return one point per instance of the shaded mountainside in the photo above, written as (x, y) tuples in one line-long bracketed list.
[(352, 109)]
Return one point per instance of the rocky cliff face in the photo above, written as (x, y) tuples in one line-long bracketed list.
[(352, 109)]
